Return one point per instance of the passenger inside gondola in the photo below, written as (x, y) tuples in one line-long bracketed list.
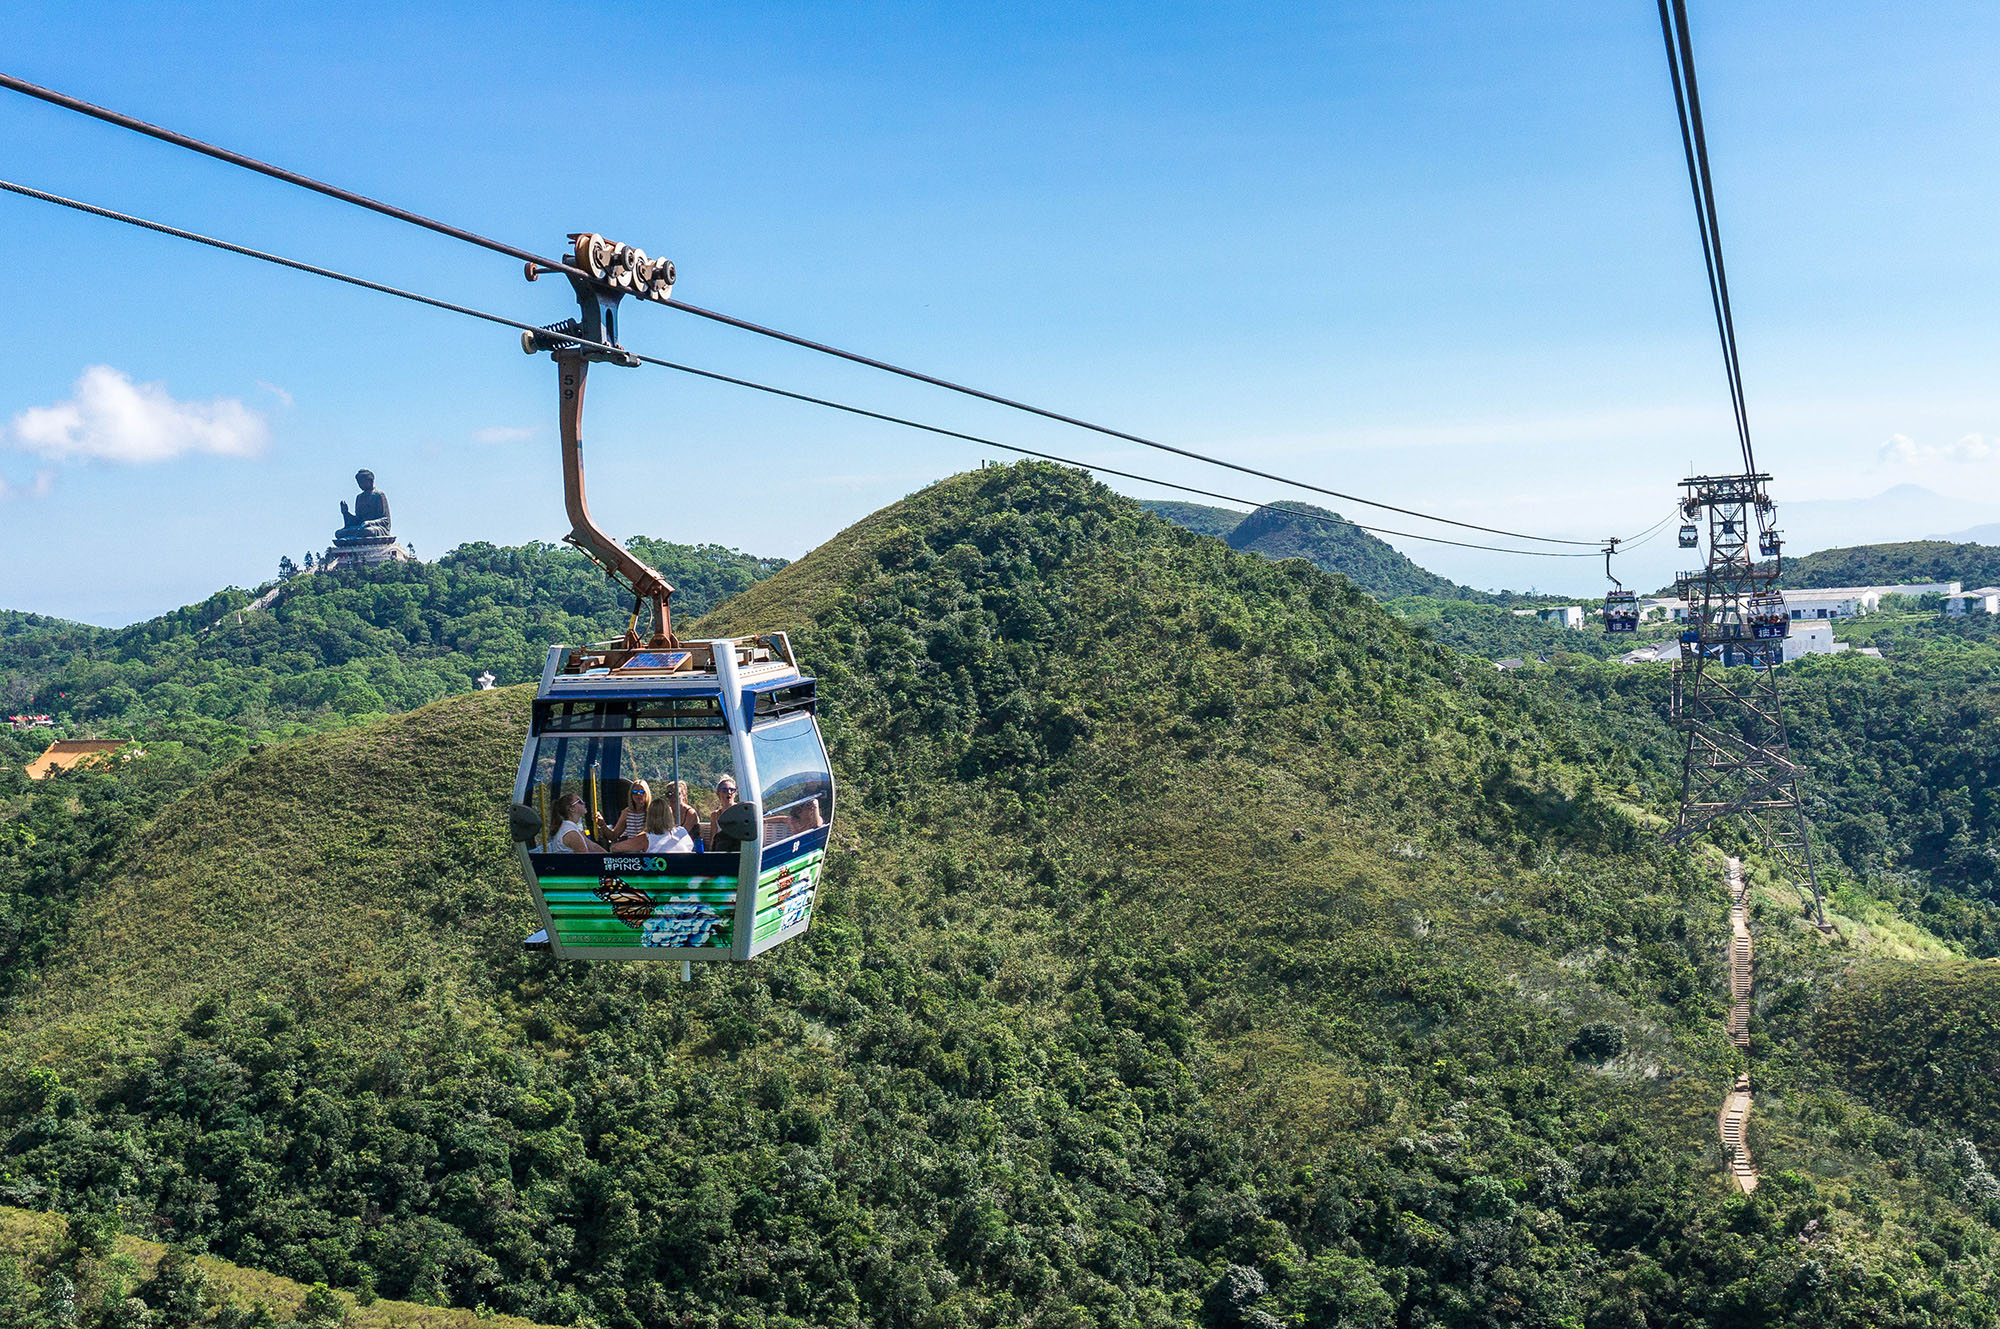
[(661, 835), (633, 821), (719, 840), (807, 817), (569, 837), (683, 815)]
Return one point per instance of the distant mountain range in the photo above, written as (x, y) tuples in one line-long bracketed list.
[(1897, 515), (1989, 534)]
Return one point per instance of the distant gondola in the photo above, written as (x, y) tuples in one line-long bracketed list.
[(1621, 612), (1768, 618)]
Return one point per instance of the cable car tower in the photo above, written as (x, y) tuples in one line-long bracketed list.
[(1738, 760)]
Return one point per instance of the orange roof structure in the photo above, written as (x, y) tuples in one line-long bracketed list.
[(67, 753)]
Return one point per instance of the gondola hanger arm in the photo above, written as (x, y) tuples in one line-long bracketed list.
[(614, 271)]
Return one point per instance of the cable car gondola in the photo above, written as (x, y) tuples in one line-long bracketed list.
[(1768, 544), (607, 717), (1690, 537), (728, 712), (1768, 618), (1621, 612), (1621, 607)]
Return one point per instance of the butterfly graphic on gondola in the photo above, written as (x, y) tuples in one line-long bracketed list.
[(684, 920), (629, 905)]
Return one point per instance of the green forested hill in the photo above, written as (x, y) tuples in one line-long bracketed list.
[(1924, 1039), (1199, 947), (1475, 622), (1890, 564), (1375, 565), (342, 644)]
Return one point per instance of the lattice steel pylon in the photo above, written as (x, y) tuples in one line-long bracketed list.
[(1738, 760)]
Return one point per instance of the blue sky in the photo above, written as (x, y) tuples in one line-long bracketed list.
[(1442, 255)]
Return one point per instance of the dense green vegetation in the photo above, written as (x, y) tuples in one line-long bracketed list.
[(1201, 946), (1894, 564), (339, 645), (1902, 755), (84, 1273), (1923, 1040), (1495, 632)]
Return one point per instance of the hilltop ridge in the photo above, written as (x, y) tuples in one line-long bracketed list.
[(1371, 563)]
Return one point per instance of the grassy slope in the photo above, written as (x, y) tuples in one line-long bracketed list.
[(31, 1236), (339, 869), (1188, 912)]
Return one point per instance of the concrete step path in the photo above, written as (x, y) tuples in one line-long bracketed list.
[(1735, 1116)]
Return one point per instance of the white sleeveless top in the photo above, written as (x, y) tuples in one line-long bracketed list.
[(560, 845)]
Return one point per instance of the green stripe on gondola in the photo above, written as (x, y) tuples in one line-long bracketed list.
[(583, 918), (790, 904), (610, 932)]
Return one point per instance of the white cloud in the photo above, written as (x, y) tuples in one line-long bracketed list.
[(111, 418), (284, 397), (1902, 450), (503, 434)]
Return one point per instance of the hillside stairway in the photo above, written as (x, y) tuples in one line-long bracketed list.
[(1736, 1106)]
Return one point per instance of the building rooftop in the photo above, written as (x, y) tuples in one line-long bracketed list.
[(68, 753)]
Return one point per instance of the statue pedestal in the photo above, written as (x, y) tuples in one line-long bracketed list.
[(364, 553)]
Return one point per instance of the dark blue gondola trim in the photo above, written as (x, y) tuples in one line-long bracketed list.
[(782, 851), (649, 689)]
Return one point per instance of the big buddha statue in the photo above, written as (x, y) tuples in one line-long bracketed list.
[(364, 535)]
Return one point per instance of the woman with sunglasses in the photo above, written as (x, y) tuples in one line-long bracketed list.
[(633, 822), (569, 837)]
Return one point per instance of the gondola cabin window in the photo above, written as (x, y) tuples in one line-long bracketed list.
[(657, 747), (795, 785)]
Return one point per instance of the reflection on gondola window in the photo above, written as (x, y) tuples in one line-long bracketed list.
[(795, 786)]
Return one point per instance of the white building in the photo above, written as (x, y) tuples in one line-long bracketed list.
[(1848, 601), (1570, 616), (1811, 637), (1985, 600), (1658, 608), (1832, 602)]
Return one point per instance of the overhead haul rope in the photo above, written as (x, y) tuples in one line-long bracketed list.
[(1694, 143), (448, 306), (192, 144)]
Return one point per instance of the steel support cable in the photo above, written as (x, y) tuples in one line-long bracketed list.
[(448, 306), (1700, 212), (1643, 537), (1694, 145), (178, 139), (1714, 231), (1106, 430), (249, 163)]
